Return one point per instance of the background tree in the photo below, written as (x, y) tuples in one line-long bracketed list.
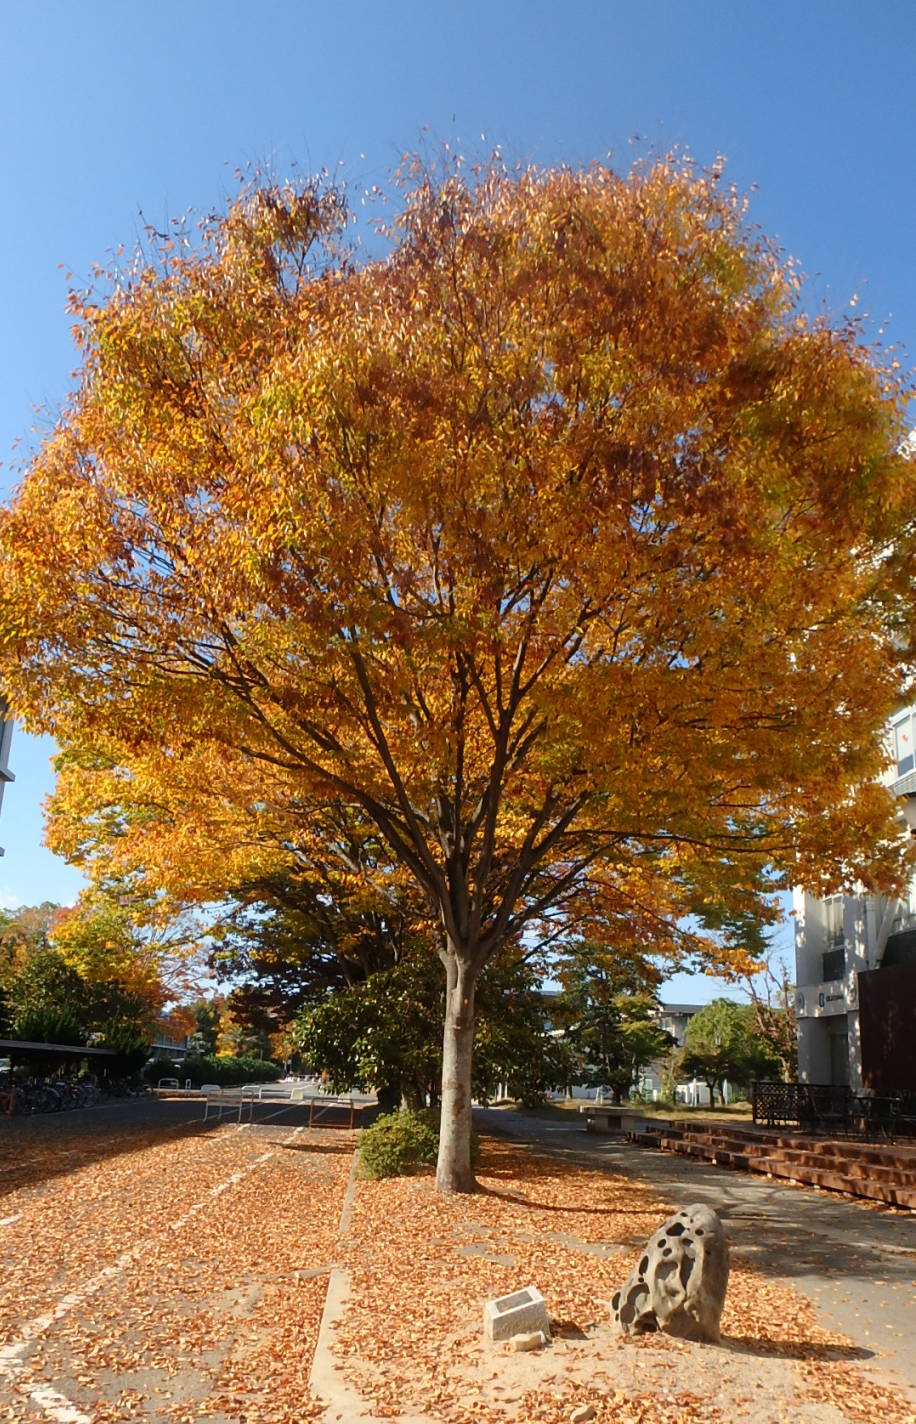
[(385, 1034), (47, 1001), (766, 981), (46, 998), (771, 992), (555, 542), (606, 1009), (617, 1037), (103, 938), (721, 1043), (206, 1026)]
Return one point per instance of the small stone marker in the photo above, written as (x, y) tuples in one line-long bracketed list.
[(532, 1341), (679, 1284), (582, 1414), (524, 1312)]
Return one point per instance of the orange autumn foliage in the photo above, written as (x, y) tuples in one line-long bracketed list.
[(556, 542)]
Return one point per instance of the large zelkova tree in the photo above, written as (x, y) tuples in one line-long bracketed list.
[(554, 541)]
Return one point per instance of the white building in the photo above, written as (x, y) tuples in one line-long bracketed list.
[(6, 733), (674, 1018), (855, 957)]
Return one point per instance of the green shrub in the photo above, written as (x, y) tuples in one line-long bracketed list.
[(399, 1143), (161, 1067), (226, 1071)]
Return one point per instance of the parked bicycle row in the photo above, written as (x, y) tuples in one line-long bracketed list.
[(22, 1095)]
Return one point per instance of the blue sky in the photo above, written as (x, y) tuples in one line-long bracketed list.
[(116, 114)]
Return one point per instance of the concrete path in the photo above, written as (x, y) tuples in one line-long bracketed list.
[(855, 1261)]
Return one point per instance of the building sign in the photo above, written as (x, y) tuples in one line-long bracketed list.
[(822, 1000)]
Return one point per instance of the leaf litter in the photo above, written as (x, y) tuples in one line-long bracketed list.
[(215, 1318), (422, 1265)]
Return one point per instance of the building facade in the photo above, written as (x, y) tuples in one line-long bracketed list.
[(855, 957), (6, 734)]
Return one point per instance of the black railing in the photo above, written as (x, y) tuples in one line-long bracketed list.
[(809, 1106), (826, 1107)]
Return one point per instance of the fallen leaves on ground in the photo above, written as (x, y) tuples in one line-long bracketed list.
[(421, 1267), (225, 1239), (229, 1235)]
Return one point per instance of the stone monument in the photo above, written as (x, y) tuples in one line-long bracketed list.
[(679, 1284)]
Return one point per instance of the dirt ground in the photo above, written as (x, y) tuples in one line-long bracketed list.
[(420, 1267)]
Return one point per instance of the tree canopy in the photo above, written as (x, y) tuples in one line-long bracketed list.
[(722, 1043), (385, 1034), (52, 992), (555, 543)]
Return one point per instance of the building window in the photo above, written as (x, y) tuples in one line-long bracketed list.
[(903, 742), (833, 921)]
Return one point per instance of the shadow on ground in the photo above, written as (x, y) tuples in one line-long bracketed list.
[(50, 1145), (792, 1349)]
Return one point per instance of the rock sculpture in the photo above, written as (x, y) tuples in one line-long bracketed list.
[(679, 1284)]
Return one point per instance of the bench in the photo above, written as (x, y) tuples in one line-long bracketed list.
[(220, 1099), (612, 1117)]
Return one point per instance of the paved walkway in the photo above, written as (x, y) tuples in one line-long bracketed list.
[(855, 1261)]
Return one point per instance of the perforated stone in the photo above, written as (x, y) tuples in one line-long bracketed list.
[(521, 1313), (679, 1284)]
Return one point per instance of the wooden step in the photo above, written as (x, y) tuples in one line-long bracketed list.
[(879, 1153), (840, 1148), (834, 1150), (858, 1169)]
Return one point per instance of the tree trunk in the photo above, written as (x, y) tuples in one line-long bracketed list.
[(454, 1172), (414, 1097), (389, 1097)]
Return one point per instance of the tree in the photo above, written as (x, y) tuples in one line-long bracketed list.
[(102, 938), (47, 1000), (607, 1009), (23, 932), (770, 991), (385, 1034), (207, 1025), (555, 542), (721, 1043)]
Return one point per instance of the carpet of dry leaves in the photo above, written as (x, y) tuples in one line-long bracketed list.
[(186, 1272), (421, 1266), (198, 1262)]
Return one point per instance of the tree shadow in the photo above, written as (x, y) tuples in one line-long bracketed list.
[(792, 1349), (518, 1200), (43, 1147), (315, 1147)]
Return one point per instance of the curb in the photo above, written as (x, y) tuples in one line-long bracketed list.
[(326, 1381)]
